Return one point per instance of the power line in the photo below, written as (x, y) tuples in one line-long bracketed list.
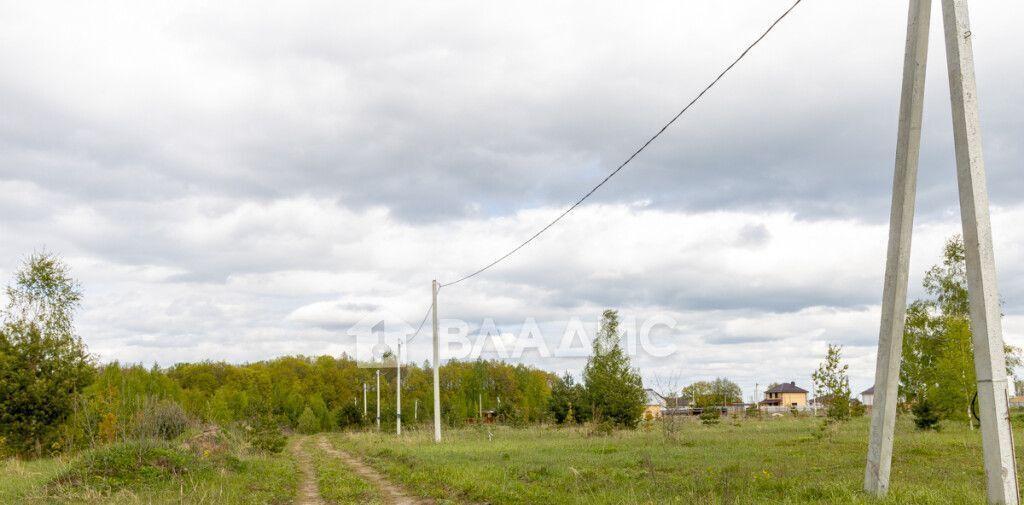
[(635, 153), (424, 321)]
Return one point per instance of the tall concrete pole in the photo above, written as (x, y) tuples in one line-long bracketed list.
[(378, 400), (897, 264), (364, 400), (986, 327), (416, 410), (398, 391), (437, 368), (989, 358)]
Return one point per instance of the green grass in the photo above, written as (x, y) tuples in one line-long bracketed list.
[(769, 461), (337, 483), (154, 473), (17, 477)]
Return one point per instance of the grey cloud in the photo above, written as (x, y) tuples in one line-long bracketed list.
[(429, 121)]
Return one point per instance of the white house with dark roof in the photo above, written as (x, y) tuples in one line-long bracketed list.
[(867, 397)]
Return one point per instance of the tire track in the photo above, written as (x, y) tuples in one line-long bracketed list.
[(309, 491), (392, 493)]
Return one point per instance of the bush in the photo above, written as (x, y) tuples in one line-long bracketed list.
[(857, 409), (308, 422), (710, 416), (349, 417), (925, 417), (509, 414), (165, 419), (128, 463), (266, 436), (604, 427)]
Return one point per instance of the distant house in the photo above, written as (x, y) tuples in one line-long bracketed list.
[(787, 394), (867, 397), (676, 405), (655, 406), (678, 402)]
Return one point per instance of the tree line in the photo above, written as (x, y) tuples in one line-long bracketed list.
[(54, 397)]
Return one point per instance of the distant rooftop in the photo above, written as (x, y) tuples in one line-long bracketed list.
[(787, 387), (653, 398)]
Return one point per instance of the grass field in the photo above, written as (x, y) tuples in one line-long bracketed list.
[(770, 461), (757, 461)]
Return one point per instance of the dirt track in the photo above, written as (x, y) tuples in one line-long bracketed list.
[(392, 494)]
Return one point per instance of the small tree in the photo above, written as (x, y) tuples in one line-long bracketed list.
[(564, 394), (614, 388), (938, 350), (43, 363), (308, 422), (925, 417), (266, 435), (570, 418), (710, 416), (831, 379)]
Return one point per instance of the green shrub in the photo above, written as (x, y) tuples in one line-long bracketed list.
[(710, 416), (753, 411), (925, 417), (266, 436), (857, 409), (349, 416), (308, 422), (126, 464), (604, 427), (509, 414), (165, 419)]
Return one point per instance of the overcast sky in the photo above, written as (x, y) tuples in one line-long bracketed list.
[(244, 180)]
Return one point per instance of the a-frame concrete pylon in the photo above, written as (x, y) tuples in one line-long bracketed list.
[(989, 359)]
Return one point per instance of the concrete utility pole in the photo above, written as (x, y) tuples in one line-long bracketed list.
[(378, 400), (398, 391), (364, 399), (416, 410), (989, 358), (437, 369)]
